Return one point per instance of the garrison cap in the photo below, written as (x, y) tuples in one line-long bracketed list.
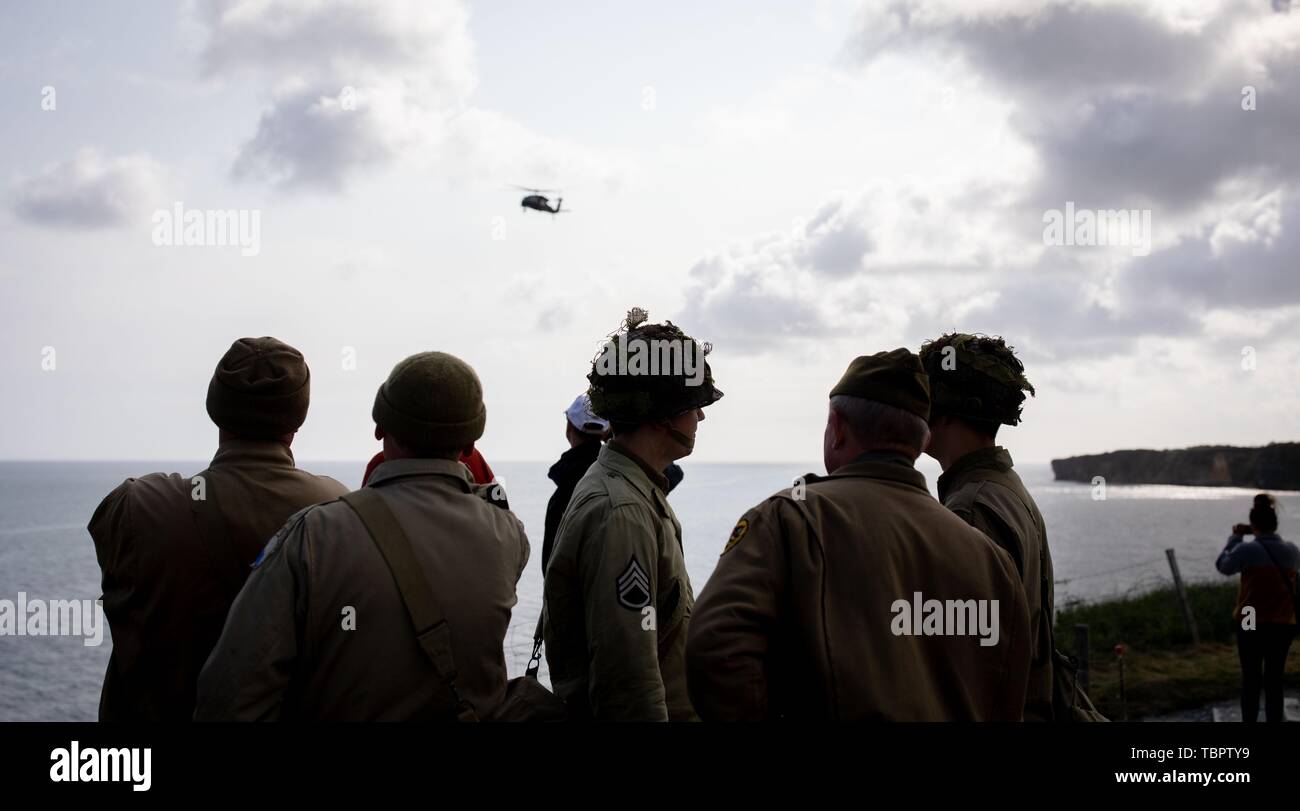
[(894, 378)]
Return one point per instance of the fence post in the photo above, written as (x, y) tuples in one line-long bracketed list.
[(1182, 597), (1081, 653)]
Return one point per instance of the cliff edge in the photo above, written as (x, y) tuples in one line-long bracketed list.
[(1273, 467)]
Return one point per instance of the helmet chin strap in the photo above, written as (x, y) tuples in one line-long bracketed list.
[(682, 439)]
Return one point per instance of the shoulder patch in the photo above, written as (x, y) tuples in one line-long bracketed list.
[(633, 586), (277, 540), (270, 549), (742, 527)]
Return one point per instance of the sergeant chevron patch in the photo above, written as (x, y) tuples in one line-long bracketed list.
[(633, 587)]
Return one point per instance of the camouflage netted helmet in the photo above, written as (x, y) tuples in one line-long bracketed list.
[(975, 376), (647, 372)]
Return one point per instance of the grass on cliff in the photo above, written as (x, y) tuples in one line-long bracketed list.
[(1163, 670)]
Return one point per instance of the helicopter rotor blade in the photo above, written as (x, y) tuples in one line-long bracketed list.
[(535, 191)]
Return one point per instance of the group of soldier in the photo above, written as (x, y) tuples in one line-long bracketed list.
[(393, 602)]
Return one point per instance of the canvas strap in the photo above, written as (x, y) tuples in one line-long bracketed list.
[(427, 619)]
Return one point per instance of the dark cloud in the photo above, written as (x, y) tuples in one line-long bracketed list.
[(1051, 51), (1258, 272), (1120, 105)]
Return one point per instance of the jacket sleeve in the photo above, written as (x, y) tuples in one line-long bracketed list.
[(249, 671), (727, 642), (525, 549), (554, 512), (1230, 561), (619, 569), (112, 531), (986, 520)]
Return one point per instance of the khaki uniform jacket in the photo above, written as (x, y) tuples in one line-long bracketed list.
[(800, 616), (984, 491), (320, 631), (618, 598), (174, 552)]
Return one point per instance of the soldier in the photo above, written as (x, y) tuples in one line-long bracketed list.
[(618, 597), (856, 595), (174, 551), (977, 385), (584, 432), (323, 629)]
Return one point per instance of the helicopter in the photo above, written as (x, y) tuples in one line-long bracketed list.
[(537, 200)]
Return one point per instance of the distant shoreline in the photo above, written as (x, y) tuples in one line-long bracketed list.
[(1272, 467)]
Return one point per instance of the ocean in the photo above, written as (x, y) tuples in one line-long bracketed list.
[(1100, 548)]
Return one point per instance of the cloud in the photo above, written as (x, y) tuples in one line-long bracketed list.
[(1238, 264), (752, 298), (353, 85), (362, 85), (308, 139), (425, 41), (849, 267), (1123, 106), (90, 191), (1123, 103)]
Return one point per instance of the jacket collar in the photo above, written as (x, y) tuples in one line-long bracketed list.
[(994, 458), (253, 451), (574, 462), (872, 466), (634, 469), (896, 457), (395, 469)]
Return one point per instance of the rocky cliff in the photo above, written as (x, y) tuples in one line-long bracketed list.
[(1274, 467)]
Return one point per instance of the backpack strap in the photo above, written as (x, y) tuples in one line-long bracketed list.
[(431, 629)]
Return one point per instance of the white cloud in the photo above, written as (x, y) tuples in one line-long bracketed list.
[(352, 85), (1122, 106), (361, 85), (425, 43), (90, 190)]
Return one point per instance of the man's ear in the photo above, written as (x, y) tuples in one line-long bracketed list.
[(837, 429), (379, 433)]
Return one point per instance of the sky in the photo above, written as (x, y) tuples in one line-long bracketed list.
[(796, 183)]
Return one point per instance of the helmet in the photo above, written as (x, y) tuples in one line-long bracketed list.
[(647, 372), (975, 376)]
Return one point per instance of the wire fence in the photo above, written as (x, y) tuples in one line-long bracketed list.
[(1137, 578)]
